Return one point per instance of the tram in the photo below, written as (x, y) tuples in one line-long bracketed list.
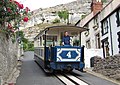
[(51, 55)]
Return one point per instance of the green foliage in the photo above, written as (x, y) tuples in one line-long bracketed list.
[(30, 49), (24, 40), (30, 46), (20, 33), (11, 14), (56, 21), (60, 14), (24, 46), (5, 14), (27, 45), (63, 14)]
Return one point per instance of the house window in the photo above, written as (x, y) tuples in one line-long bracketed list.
[(97, 39), (118, 18), (104, 27), (87, 32), (88, 44), (95, 26), (96, 21)]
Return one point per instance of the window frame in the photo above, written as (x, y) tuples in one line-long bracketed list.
[(104, 26), (96, 21), (97, 40)]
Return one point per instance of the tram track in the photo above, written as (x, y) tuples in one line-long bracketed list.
[(70, 79)]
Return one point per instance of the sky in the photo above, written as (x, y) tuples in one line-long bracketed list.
[(35, 4)]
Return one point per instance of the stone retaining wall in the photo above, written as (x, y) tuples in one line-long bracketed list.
[(109, 66), (8, 57)]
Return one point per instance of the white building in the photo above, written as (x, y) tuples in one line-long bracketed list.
[(91, 38), (104, 27), (110, 28)]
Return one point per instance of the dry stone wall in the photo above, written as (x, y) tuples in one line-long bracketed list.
[(109, 66), (8, 57)]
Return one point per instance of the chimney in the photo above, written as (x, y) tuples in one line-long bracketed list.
[(96, 6)]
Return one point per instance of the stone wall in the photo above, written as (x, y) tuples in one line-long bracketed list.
[(109, 66), (8, 57)]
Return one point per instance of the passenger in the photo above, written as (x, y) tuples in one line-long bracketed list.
[(66, 39)]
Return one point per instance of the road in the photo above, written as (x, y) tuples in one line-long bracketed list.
[(32, 74)]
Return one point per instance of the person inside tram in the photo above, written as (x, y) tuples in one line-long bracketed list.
[(66, 39)]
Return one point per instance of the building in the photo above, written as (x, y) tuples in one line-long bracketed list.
[(91, 38), (104, 27), (110, 28)]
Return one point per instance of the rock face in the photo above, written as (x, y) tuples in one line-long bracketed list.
[(109, 66), (77, 6), (8, 57)]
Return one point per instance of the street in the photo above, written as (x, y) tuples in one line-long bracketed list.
[(32, 74), (77, 40)]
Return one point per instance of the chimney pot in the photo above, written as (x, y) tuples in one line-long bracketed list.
[(96, 6)]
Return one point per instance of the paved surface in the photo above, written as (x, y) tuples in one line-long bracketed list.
[(32, 74), (91, 79), (89, 70)]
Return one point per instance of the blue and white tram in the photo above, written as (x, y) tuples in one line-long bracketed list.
[(51, 55)]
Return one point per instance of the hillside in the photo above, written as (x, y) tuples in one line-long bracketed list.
[(77, 8)]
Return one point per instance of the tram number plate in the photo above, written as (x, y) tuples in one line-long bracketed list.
[(68, 54)]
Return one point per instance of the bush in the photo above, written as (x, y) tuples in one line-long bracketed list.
[(29, 46), (12, 13), (30, 49)]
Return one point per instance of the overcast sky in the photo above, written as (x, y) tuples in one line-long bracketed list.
[(35, 4)]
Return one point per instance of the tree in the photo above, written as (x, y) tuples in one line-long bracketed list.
[(64, 15), (60, 14)]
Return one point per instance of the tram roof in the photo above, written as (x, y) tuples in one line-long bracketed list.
[(63, 27)]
